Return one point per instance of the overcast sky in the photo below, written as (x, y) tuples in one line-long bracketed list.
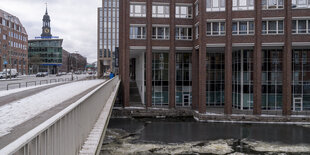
[(75, 21)]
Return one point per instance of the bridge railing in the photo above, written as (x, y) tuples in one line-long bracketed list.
[(65, 132)]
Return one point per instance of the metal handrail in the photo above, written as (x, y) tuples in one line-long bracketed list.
[(61, 79), (7, 86), (53, 80), (42, 81), (35, 83), (65, 132)]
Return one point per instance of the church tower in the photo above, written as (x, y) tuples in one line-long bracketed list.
[(46, 29)]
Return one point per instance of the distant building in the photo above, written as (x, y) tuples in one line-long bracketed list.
[(45, 53), (77, 62), (108, 36), (65, 62), (13, 37)]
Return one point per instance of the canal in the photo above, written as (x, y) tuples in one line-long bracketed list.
[(187, 136)]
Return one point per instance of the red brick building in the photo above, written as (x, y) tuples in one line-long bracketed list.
[(13, 43), (229, 54)]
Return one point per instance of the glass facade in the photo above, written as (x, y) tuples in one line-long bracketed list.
[(215, 74), (272, 79), (183, 79), (242, 79), (160, 79), (301, 79)]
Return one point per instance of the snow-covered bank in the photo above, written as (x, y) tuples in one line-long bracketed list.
[(22, 110), (12, 91)]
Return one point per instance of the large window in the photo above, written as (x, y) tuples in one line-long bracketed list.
[(137, 10), (243, 5), (215, 77), (184, 11), (273, 27), (272, 4), (243, 27), (183, 86), (137, 32), (215, 28), (160, 10), (183, 33), (160, 32), (215, 5), (301, 78), (301, 26), (301, 3), (243, 79), (160, 80), (272, 79)]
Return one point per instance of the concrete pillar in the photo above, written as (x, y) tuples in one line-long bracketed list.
[(149, 54), (228, 59), (257, 61), (172, 56), (287, 61)]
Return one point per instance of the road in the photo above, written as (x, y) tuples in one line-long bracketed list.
[(31, 80)]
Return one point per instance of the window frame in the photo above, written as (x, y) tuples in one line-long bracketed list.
[(166, 35), (296, 30), (179, 15), (179, 36), (248, 7), (220, 32), (305, 6), (156, 14), (132, 13), (248, 31), (215, 9), (133, 36), (268, 32), (267, 6)]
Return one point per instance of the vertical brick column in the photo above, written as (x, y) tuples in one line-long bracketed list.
[(202, 58), (195, 73), (257, 61), (149, 54), (287, 61), (172, 56), (228, 59), (126, 58), (124, 5)]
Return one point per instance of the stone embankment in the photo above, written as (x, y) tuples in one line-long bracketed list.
[(141, 112)]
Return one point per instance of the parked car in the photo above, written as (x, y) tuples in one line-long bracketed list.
[(59, 74), (63, 73), (2, 75), (10, 72), (40, 74), (45, 73)]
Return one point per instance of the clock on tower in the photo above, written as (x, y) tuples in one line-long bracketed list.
[(46, 29)]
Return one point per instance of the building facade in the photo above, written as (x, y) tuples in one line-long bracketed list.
[(45, 52), (65, 62), (230, 54), (77, 62), (108, 36), (13, 44)]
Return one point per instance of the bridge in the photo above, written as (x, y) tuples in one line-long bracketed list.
[(77, 129)]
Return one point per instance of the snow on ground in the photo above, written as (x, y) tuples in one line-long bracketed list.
[(12, 91), (274, 147), (17, 112)]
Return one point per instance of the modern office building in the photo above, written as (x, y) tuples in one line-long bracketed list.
[(45, 52), (230, 54), (13, 43), (108, 36)]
